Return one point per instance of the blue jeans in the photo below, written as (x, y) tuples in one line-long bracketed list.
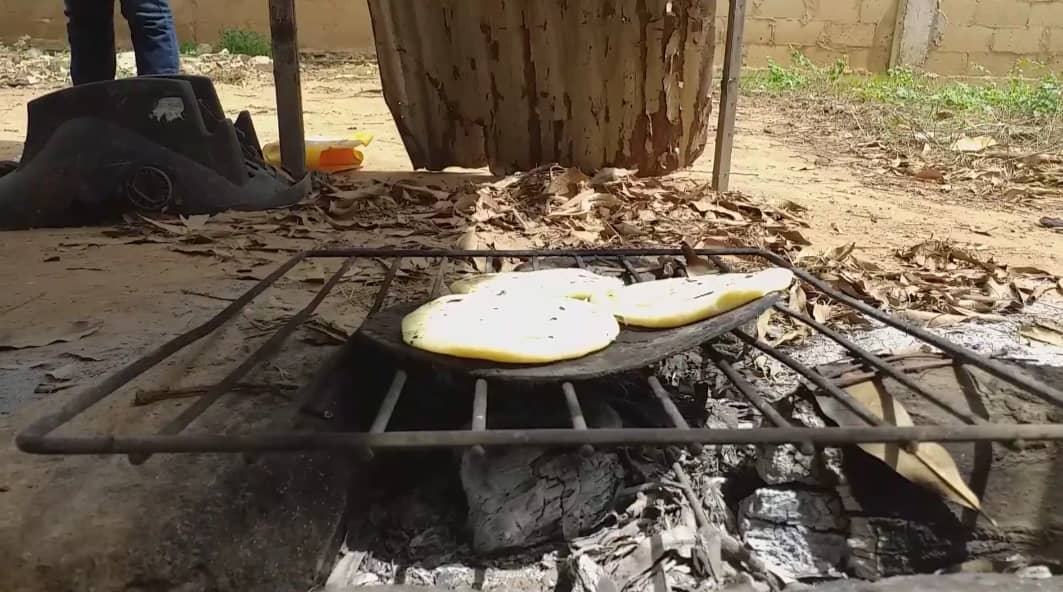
[(90, 30)]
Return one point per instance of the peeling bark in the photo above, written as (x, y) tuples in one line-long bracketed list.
[(514, 84)]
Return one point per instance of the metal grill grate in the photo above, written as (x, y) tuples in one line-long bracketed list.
[(283, 437)]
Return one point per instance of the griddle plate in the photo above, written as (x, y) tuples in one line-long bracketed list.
[(633, 349)]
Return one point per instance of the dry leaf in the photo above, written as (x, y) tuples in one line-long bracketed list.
[(975, 144), (1044, 333), (695, 264), (763, 321), (173, 229), (471, 241), (568, 184), (41, 335), (427, 191), (821, 311), (930, 174), (195, 223), (798, 298), (585, 202), (931, 466), (926, 318)]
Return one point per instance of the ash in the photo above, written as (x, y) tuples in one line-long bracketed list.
[(996, 339), (722, 517)]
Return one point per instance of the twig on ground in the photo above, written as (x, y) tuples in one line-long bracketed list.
[(207, 295)]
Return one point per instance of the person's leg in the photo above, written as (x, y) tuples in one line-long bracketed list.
[(90, 30), (154, 36)]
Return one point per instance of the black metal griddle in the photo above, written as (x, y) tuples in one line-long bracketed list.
[(633, 349), (283, 436)]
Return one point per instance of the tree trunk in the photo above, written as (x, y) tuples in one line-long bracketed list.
[(515, 84)]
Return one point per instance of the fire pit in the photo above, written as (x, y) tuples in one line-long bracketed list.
[(542, 437)]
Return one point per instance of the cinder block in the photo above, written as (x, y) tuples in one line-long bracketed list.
[(992, 64), (966, 38), (1002, 13), (879, 58), (958, 12), (1023, 41), (946, 63), (757, 31), (781, 9), (1047, 13), (851, 35), (797, 33), (823, 56), (879, 11), (859, 59), (838, 11), (757, 56)]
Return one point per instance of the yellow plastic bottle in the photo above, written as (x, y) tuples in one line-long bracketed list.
[(327, 155)]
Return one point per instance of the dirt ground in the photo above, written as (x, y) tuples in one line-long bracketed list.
[(141, 294)]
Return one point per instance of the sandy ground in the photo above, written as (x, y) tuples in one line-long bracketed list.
[(140, 295)]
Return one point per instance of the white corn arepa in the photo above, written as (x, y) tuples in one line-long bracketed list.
[(564, 282), (520, 329), (676, 302)]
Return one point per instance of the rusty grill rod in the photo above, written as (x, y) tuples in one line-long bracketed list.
[(882, 366), (479, 412), (305, 441), (95, 394), (814, 377), (263, 353), (35, 438), (1021, 379), (670, 409), (575, 413), (753, 396)]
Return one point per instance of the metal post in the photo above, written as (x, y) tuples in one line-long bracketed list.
[(732, 66), (289, 90)]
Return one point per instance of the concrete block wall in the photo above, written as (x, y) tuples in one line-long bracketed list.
[(978, 37), (823, 30), (969, 37), (324, 25)]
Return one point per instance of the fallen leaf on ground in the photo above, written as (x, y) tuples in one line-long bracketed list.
[(610, 175), (930, 174), (569, 183), (975, 144), (173, 229), (471, 241), (1043, 333), (696, 264), (931, 466), (41, 335), (585, 202)]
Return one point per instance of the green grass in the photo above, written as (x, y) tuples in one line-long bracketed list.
[(242, 42), (1031, 91), (189, 48)]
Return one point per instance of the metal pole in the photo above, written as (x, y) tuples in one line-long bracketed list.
[(725, 126), (285, 42)]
